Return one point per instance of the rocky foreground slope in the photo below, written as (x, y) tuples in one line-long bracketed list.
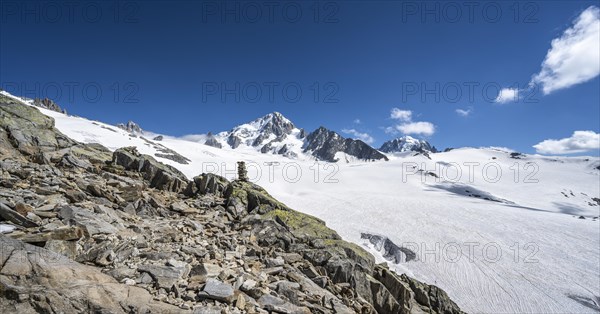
[(89, 230)]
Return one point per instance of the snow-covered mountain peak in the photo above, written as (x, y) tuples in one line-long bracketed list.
[(272, 123), (407, 144), (273, 127)]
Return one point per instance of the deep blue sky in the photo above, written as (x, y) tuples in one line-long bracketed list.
[(162, 54)]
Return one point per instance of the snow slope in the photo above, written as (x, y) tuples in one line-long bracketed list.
[(507, 244)]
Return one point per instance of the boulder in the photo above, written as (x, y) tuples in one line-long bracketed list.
[(208, 183), (217, 290), (28, 130), (164, 276), (253, 197), (278, 305), (10, 215), (159, 175), (91, 222)]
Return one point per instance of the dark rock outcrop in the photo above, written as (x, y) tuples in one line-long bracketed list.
[(160, 176), (48, 104), (324, 144), (130, 127), (212, 141)]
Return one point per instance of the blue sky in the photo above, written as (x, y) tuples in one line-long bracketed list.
[(168, 65)]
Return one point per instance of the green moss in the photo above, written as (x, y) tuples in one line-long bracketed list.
[(302, 225), (14, 108)]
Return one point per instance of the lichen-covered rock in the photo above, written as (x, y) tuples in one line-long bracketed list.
[(253, 197), (28, 130)]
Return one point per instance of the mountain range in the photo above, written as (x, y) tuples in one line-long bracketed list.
[(276, 134)]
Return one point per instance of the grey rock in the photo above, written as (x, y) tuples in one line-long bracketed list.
[(66, 248), (278, 305), (160, 176), (12, 216), (87, 220), (47, 103), (200, 273), (54, 278), (217, 290), (130, 127), (209, 183), (68, 160), (212, 141), (164, 276), (27, 130)]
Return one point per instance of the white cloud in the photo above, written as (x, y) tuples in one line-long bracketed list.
[(574, 57), (356, 121), (507, 95), (365, 137), (419, 128), (579, 142), (407, 126), (402, 115), (464, 112)]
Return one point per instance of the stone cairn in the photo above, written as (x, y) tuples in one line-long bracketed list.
[(242, 172)]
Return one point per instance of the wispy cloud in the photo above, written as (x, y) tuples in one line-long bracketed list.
[(357, 121), (464, 112), (407, 125), (402, 115), (579, 142), (507, 95), (365, 137), (574, 57)]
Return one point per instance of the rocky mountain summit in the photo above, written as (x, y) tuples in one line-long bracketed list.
[(130, 127), (325, 144), (407, 144), (86, 230), (272, 133), (48, 104), (276, 134)]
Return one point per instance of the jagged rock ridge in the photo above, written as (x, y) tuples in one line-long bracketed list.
[(130, 127), (275, 134), (325, 144)]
